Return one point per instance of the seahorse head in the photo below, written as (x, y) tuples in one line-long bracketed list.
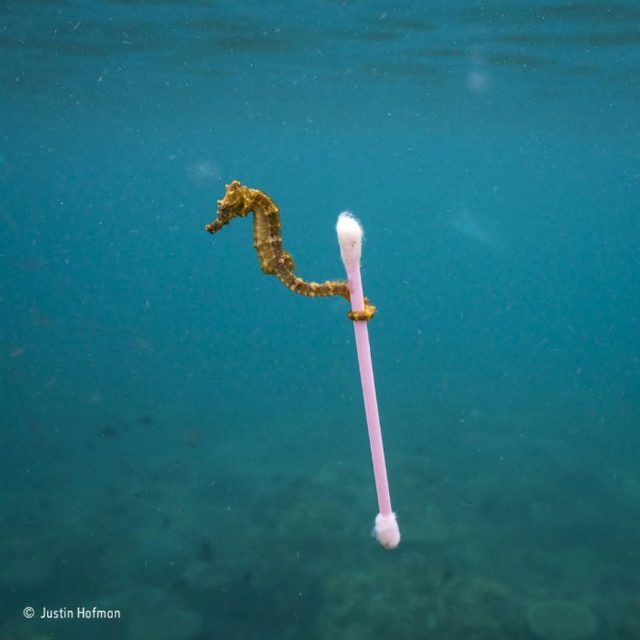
[(236, 202)]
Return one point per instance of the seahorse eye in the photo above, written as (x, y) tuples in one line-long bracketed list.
[(224, 205)]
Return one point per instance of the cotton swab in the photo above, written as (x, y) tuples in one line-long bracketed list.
[(350, 234)]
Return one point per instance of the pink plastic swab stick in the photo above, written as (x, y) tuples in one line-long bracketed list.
[(350, 240)]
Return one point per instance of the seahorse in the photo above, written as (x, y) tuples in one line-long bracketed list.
[(238, 202)]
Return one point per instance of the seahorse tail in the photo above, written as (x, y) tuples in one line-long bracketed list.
[(311, 289)]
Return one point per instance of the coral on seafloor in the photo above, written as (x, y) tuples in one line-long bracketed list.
[(630, 624), (561, 620), (25, 563), (481, 608), (24, 632), (396, 600), (160, 616)]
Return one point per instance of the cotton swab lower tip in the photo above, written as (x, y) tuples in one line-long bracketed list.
[(350, 239), (387, 531)]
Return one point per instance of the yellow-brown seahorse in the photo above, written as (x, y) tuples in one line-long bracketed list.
[(240, 201)]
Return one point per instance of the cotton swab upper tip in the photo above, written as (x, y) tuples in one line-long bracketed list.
[(350, 239), (387, 531)]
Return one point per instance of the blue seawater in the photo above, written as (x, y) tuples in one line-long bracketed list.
[(183, 440)]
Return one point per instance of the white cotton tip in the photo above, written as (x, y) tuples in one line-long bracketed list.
[(387, 531), (350, 239)]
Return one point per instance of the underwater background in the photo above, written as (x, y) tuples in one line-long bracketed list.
[(183, 440)]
